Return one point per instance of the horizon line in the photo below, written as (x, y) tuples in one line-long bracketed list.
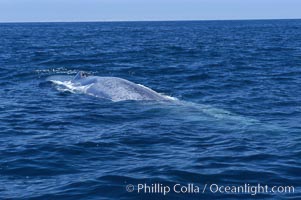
[(167, 20)]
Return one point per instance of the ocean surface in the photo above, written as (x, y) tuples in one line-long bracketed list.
[(235, 120)]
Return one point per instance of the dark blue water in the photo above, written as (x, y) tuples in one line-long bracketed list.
[(239, 121)]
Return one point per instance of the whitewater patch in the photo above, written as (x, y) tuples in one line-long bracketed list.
[(68, 86)]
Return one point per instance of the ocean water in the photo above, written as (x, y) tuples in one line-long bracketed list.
[(235, 120)]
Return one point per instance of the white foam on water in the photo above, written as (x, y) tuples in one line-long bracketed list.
[(68, 86), (60, 70)]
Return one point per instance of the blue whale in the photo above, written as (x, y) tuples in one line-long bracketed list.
[(118, 89), (111, 88)]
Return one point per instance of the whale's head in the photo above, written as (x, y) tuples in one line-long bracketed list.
[(80, 75)]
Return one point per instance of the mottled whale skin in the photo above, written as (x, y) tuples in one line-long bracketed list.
[(116, 89)]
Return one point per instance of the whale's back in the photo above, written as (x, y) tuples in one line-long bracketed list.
[(118, 89)]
